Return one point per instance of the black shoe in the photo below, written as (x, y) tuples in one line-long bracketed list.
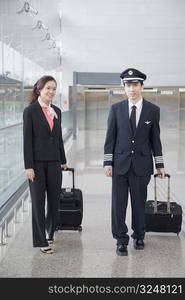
[(122, 250), (139, 244)]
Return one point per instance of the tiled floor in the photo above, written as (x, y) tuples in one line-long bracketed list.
[(91, 253)]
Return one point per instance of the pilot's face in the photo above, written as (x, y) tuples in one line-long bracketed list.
[(133, 90)]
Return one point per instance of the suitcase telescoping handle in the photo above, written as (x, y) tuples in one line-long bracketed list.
[(73, 173), (155, 193)]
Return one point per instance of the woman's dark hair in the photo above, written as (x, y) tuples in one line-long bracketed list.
[(39, 86)]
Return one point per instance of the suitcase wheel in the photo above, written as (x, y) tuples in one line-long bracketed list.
[(80, 228)]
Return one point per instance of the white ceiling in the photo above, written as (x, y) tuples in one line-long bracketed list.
[(102, 36)]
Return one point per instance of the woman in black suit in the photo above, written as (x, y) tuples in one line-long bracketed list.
[(44, 156)]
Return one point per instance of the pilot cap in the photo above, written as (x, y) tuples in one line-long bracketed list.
[(132, 75)]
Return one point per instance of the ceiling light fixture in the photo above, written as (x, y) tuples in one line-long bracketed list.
[(40, 25), (28, 9), (47, 37), (53, 45)]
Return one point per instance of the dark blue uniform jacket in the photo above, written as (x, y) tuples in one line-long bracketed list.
[(122, 147)]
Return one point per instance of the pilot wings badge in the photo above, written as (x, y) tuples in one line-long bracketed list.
[(147, 122)]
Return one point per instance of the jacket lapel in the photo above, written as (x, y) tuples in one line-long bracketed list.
[(41, 115), (54, 124), (55, 121), (144, 112), (125, 114)]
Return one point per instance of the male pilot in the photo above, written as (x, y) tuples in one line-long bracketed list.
[(132, 140)]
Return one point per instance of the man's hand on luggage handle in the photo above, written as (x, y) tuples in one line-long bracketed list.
[(161, 172), (108, 171), (65, 166)]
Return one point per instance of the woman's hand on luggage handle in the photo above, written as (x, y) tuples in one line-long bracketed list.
[(108, 171), (65, 166), (30, 174), (161, 172)]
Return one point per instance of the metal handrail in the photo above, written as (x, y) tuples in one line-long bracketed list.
[(14, 209)]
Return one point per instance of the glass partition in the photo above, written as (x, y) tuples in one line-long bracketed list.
[(168, 100), (182, 109), (10, 104), (11, 161)]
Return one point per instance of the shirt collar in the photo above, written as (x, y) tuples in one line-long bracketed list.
[(42, 104), (138, 104)]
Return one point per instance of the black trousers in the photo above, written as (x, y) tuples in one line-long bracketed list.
[(121, 186), (48, 180)]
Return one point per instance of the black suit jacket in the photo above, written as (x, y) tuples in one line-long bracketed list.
[(40, 143), (121, 147)]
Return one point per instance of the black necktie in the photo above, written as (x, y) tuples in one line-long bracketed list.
[(133, 119)]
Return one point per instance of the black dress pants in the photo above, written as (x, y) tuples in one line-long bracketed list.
[(48, 180), (121, 186)]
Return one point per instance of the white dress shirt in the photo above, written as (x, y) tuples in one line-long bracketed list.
[(139, 106)]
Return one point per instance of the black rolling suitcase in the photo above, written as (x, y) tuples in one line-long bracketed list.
[(70, 211), (162, 216)]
